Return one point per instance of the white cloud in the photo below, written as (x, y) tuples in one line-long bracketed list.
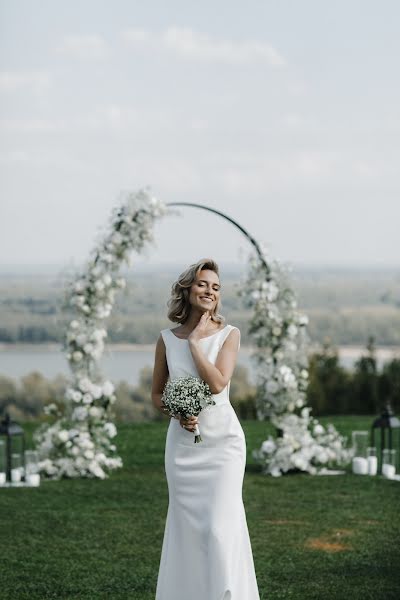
[(11, 81), (257, 175), (113, 117), (33, 125), (89, 46), (192, 45)]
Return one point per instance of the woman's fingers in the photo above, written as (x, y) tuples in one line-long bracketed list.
[(189, 423)]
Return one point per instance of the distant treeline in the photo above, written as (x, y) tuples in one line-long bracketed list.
[(332, 390), (344, 306)]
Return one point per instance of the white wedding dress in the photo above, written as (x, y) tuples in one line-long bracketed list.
[(206, 552)]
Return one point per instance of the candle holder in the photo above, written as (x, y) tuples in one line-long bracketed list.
[(32, 477), (16, 468), (360, 454), (3, 477), (372, 460), (389, 463)]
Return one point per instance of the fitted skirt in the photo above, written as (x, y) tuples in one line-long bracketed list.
[(206, 552)]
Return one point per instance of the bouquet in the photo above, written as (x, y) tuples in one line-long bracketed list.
[(187, 396)]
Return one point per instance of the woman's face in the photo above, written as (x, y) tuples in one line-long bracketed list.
[(205, 291)]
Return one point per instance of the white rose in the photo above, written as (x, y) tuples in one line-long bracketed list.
[(268, 446), (96, 391), (85, 384), (318, 429), (77, 356), (94, 411), (110, 429), (275, 472), (117, 238), (322, 457), (80, 413), (63, 435), (107, 279), (74, 324), (96, 271), (99, 285), (108, 388), (76, 396), (272, 386), (87, 398)]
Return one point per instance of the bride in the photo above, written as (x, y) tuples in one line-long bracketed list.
[(206, 552)]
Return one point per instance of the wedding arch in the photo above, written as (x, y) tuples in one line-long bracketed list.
[(78, 442)]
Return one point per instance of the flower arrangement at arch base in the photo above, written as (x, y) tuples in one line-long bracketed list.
[(278, 330)]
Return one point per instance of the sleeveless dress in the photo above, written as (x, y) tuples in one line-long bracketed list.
[(206, 552)]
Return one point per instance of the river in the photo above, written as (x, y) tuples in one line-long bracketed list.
[(124, 361)]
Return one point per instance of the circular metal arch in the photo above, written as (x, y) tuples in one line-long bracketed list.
[(235, 223)]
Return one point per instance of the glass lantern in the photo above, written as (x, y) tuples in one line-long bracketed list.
[(14, 444), (389, 426)]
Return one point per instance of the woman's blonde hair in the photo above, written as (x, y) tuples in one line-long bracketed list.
[(178, 304)]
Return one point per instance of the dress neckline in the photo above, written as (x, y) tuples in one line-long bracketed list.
[(203, 338)]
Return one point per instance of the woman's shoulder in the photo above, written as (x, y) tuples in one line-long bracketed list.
[(228, 331), (163, 336), (230, 327)]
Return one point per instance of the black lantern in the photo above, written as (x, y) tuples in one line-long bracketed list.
[(15, 438), (387, 422)]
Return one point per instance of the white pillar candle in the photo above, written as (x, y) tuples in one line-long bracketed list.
[(372, 465), (388, 470), (2, 478), (33, 479), (360, 465), (15, 475)]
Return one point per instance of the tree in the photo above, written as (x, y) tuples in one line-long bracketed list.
[(365, 382), (328, 388)]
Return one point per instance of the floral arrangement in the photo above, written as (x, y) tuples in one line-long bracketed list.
[(280, 356), (79, 441), (186, 396)]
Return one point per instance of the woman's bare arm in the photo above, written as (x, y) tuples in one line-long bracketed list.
[(218, 375), (160, 375)]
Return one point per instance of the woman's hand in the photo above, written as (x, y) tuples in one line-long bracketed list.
[(201, 328), (189, 423)]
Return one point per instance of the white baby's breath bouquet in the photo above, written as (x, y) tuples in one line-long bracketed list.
[(187, 396)]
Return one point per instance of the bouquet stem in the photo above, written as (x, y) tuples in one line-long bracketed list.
[(197, 437)]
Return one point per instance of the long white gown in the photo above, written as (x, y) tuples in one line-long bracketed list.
[(206, 552)]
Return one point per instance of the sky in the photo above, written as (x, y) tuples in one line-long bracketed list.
[(282, 115)]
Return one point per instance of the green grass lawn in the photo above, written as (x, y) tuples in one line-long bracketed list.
[(321, 537)]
